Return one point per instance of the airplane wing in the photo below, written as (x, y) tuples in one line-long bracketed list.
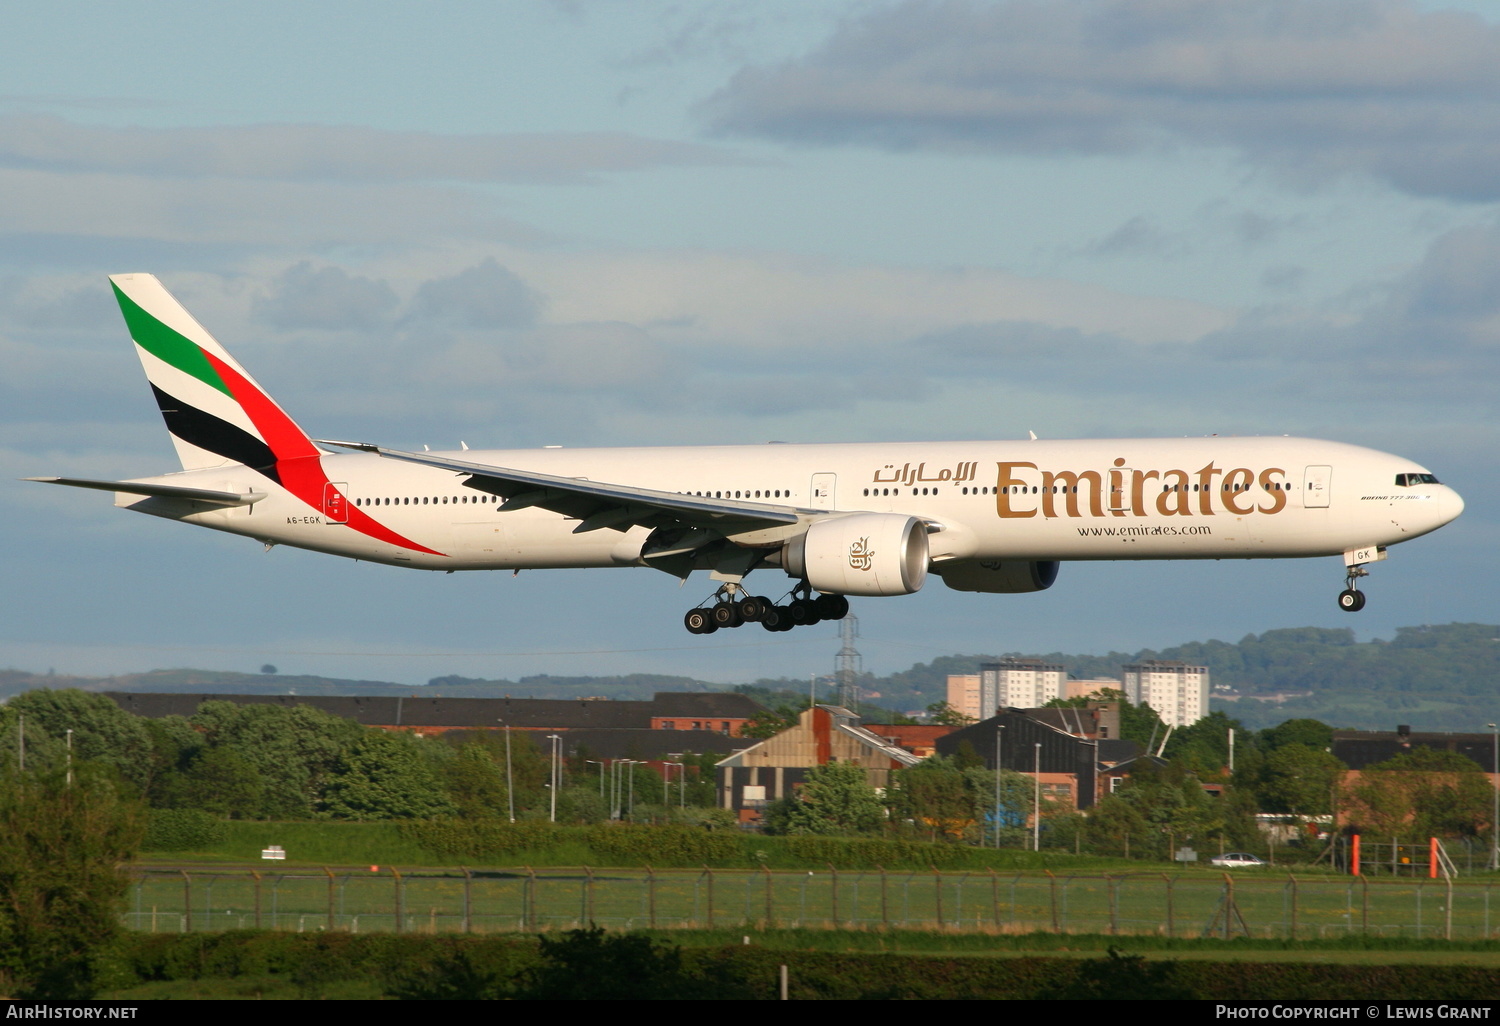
[(162, 491), (700, 522)]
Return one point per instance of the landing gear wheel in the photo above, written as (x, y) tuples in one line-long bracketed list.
[(752, 609), (1351, 601), (800, 611), (725, 614), (831, 607), (771, 619), (697, 621)]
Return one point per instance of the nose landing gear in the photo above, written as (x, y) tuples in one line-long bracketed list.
[(1351, 599)]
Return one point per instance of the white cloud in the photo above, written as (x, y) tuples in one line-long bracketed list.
[(483, 296), (325, 298), (280, 215), (341, 153), (764, 303), (1378, 87)]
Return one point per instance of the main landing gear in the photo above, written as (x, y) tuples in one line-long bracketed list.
[(731, 608)]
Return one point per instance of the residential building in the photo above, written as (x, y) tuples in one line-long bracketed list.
[(963, 694), (1177, 691), (1018, 684)]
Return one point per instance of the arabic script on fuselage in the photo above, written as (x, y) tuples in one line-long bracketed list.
[(1119, 491)]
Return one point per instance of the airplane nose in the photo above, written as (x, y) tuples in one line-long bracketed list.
[(1452, 505)]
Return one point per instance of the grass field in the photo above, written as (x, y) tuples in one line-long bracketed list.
[(1190, 904)]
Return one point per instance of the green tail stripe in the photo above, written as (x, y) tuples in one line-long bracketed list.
[(167, 345)]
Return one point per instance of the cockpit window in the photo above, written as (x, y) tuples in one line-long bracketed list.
[(1407, 480)]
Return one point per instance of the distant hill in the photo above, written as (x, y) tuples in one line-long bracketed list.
[(1433, 678), (194, 681)]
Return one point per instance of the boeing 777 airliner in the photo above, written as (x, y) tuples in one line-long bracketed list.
[(838, 520)]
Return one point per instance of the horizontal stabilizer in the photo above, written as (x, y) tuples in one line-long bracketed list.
[(162, 491)]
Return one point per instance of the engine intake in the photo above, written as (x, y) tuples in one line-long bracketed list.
[(861, 554)]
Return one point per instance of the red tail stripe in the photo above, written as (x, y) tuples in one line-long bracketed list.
[(298, 462)]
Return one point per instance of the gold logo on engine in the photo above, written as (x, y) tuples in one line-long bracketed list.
[(861, 557)]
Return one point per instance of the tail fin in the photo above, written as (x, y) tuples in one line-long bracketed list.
[(215, 412)]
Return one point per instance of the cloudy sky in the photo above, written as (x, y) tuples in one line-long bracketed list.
[(608, 223)]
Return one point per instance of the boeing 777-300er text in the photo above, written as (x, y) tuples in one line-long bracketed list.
[(838, 520)]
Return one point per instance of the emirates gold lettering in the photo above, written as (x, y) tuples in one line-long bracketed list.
[(1006, 484), (1122, 491), (1275, 490)]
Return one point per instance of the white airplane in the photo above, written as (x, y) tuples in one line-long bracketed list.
[(838, 520)]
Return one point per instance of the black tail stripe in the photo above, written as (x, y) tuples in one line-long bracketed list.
[(218, 436)]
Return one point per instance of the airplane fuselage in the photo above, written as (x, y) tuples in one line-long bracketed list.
[(1203, 498)]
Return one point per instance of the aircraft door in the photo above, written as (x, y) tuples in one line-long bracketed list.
[(1120, 493), (1316, 482), (820, 496), (335, 506)]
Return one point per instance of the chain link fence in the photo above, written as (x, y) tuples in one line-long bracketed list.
[(490, 901)]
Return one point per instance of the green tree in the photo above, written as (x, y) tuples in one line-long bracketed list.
[(835, 799), (296, 751), (222, 782), (102, 732), (935, 796), (1117, 825), (944, 715), (1204, 746), (61, 889), (385, 775), (1311, 733), (1300, 780), (174, 746), (475, 783), (1174, 805), (1426, 792)]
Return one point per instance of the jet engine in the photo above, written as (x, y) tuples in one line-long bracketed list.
[(861, 554), (1002, 576)]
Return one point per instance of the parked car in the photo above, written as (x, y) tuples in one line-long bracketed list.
[(1236, 860)]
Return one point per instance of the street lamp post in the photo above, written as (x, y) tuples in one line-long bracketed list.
[(1036, 816), (666, 794), (510, 783), (556, 775), (1495, 815), (999, 768), (614, 788)]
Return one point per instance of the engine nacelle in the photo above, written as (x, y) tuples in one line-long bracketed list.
[(861, 554), (1001, 576)]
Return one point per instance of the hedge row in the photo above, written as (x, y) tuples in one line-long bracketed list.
[(183, 830), (479, 842), (594, 964)]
